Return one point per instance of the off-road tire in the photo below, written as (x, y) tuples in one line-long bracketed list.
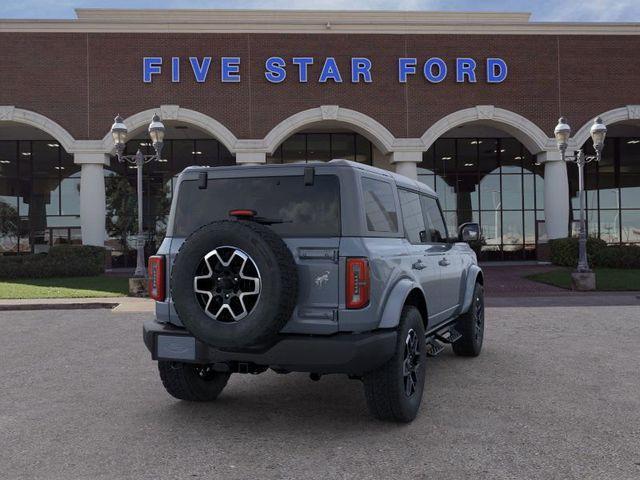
[(471, 326), (384, 388), (192, 383), (279, 284)]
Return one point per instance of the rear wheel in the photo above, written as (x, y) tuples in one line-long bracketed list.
[(394, 391), (471, 326), (194, 383)]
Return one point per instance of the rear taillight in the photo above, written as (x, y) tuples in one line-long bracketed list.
[(357, 282), (156, 277)]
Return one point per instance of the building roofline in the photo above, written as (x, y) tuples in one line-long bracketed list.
[(311, 21)]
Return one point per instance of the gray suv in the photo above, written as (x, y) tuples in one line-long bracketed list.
[(323, 268)]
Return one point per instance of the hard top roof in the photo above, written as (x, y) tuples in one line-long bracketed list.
[(400, 180)]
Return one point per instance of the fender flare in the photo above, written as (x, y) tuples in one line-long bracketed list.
[(395, 302), (472, 275)]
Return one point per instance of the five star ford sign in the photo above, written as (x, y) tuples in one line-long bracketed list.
[(361, 69)]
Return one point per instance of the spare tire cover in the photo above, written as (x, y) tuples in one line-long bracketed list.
[(234, 284)]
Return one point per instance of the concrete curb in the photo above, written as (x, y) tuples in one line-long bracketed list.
[(57, 306)]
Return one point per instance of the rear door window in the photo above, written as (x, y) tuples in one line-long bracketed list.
[(298, 210), (379, 206), (436, 229), (412, 217)]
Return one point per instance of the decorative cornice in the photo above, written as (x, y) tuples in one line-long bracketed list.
[(302, 21)]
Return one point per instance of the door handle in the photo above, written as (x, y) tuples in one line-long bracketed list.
[(418, 265), (444, 262)]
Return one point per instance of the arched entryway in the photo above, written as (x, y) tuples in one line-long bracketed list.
[(39, 184), (486, 170), (329, 132), (612, 186), (185, 144)]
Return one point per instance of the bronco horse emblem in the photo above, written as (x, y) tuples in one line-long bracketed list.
[(322, 279)]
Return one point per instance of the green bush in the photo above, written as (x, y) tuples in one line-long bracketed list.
[(61, 261), (618, 256), (564, 251)]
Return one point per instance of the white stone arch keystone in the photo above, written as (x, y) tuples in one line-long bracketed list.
[(10, 113), (527, 132), (180, 114), (363, 124)]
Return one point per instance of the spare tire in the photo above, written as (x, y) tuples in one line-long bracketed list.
[(234, 284)]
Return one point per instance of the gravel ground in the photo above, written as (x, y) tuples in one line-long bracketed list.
[(555, 394)]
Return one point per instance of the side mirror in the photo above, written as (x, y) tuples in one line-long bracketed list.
[(469, 232)]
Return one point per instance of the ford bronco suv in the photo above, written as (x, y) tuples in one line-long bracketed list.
[(323, 268)]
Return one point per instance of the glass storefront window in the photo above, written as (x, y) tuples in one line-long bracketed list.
[(630, 223), (493, 181), (319, 148)]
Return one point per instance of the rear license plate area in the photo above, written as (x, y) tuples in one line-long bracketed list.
[(175, 347)]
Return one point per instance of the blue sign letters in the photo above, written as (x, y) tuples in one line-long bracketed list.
[(434, 69)]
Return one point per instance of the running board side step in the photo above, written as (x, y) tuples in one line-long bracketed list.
[(450, 336), (435, 342), (434, 348)]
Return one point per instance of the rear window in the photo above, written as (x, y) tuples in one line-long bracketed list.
[(379, 206), (305, 210)]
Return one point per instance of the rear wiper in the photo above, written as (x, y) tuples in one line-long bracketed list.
[(269, 221), (252, 215)]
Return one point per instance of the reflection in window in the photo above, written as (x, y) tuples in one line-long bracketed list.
[(379, 206), (307, 147), (157, 185), (412, 217), (493, 181), (612, 188), (34, 194)]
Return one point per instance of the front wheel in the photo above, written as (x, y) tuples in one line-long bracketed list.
[(471, 326), (193, 383), (394, 391)]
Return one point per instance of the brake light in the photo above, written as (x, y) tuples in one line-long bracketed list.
[(156, 278), (357, 282), (242, 213)]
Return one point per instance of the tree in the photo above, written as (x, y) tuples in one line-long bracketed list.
[(122, 210), (9, 221)]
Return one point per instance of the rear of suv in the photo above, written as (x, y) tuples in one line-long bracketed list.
[(323, 268)]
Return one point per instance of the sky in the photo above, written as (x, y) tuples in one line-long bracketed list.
[(542, 10)]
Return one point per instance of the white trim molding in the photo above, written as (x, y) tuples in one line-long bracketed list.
[(309, 21), (10, 113), (363, 124), (523, 129), (179, 114), (629, 112)]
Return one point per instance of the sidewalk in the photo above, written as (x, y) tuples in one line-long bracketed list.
[(116, 304)]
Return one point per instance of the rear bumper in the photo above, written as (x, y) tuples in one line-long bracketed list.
[(341, 353)]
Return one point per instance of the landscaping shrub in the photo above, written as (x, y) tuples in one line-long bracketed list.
[(618, 256), (564, 251), (61, 261)]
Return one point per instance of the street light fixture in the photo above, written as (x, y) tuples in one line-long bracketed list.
[(119, 133), (562, 133)]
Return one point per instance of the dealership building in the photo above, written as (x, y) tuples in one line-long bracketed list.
[(464, 102)]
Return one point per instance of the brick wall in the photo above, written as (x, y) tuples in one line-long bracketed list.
[(82, 80)]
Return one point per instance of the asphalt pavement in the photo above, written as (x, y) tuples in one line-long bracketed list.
[(555, 394)]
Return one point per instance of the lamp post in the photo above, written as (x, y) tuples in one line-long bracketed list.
[(119, 133), (562, 133)]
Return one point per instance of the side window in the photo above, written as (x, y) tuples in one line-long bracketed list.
[(379, 206), (436, 229), (412, 217)]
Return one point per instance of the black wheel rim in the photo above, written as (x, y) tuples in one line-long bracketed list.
[(411, 363), (227, 284), (479, 316)]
